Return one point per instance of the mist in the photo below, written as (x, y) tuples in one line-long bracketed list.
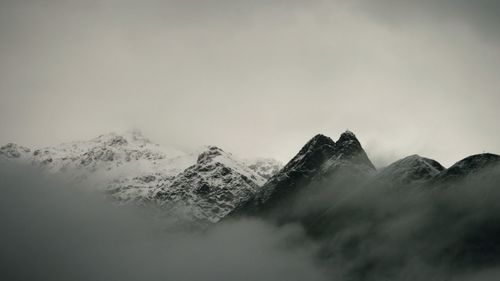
[(55, 231), (257, 78), (375, 229), (361, 230)]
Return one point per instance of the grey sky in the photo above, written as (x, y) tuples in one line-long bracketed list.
[(257, 78)]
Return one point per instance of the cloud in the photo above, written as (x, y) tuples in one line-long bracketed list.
[(378, 230), (482, 14), (257, 78), (339, 230), (55, 231)]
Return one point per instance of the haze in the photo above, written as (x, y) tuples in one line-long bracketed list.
[(257, 78)]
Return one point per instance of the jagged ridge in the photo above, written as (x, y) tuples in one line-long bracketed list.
[(131, 169), (320, 157)]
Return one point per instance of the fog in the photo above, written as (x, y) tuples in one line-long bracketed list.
[(366, 230), (52, 231), (257, 78), (375, 229)]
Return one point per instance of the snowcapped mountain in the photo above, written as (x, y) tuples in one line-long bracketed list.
[(132, 169), (115, 155), (209, 183), (212, 187)]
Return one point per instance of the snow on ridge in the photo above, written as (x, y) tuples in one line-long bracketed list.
[(132, 169), (265, 167)]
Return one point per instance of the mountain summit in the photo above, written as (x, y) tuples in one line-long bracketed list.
[(318, 159), (470, 165), (203, 185), (411, 169)]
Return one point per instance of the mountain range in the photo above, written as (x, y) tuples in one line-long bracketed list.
[(210, 184), (200, 185)]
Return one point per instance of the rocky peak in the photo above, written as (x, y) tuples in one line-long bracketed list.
[(410, 169), (117, 141), (348, 139), (313, 153), (417, 160), (209, 154), (348, 153), (320, 157), (470, 165), (318, 142), (321, 154), (133, 137)]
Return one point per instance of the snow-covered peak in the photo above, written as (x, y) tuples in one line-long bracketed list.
[(126, 138), (210, 153), (214, 154), (114, 154), (265, 167), (14, 151), (211, 188), (130, 168)]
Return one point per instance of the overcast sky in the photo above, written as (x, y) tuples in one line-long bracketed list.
[(257, 78)]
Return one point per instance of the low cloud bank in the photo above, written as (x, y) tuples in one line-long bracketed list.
[(379, 230), (52, 231), (367, 231)]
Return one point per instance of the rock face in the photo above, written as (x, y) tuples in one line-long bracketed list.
[(323, 163), (348, 156), (212, 187), (203, 185), (470, 165), (331, 189), (319, 159), (415, 169), (210, 183), (411, 169)]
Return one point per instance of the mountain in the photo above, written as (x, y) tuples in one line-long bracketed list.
[(321, 158), (325, 170), (209, 183), (204, 184), (211, 188), (348, 156), (411, 169), (116, 155), (468, 166), (415, 169)]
